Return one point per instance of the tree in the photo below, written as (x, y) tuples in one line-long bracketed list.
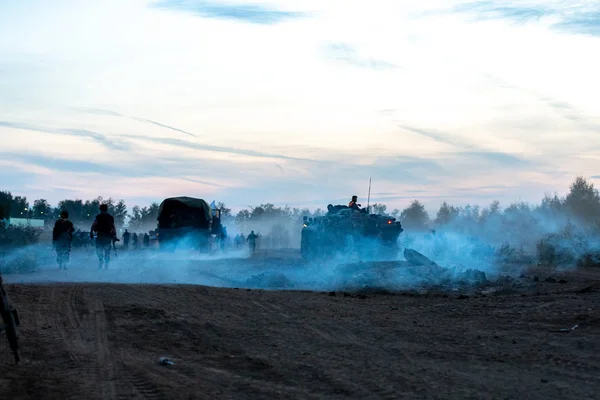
[(5, 204), (75, 208), (225, 212), (41, 210), (446, 214), (583, 200), (19, 207), (379, 209), (119, 212), (415, 217), (144, 218)]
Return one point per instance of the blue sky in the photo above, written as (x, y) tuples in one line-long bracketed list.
[(298, 102)]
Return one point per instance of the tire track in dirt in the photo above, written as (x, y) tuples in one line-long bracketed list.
[(105, 366), (331, 335), (127, 381), (132, 383), (336, 333)]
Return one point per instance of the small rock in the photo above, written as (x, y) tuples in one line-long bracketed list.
[(462, 297), (550, 279), (544, 380), (362, 296), (332, 294), (562, 281), (478, 336), (536, 279), (393, 308), (514, 341), (165, 361)]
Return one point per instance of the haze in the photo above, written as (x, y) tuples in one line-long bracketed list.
[(298, 102)]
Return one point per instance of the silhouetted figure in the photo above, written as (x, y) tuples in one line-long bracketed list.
[(354, 203), (62, 236), (252, 241), (106, 233), (134, 240), (126, 237), (146, 240)]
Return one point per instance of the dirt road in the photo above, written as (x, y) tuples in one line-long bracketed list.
[(103, 341)]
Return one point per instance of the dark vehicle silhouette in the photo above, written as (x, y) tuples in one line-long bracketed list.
[(187, 222), (346, 230)]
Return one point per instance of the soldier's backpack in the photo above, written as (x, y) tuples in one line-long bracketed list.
[(104, 223)]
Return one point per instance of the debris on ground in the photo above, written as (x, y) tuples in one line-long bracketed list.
[(165, 361), (566, 330)]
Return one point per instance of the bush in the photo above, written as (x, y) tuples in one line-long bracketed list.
[(19, 261), (16, 253), (13, 237), (566, 247), (508, 254)]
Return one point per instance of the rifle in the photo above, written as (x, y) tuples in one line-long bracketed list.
[(10, 316)]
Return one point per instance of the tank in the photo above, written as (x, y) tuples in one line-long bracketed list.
[(187, 222), (346, 230)]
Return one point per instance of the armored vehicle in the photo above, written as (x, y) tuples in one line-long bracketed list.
[(345, 230), (187, 222)]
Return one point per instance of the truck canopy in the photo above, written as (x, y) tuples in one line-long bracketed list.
[(178, 212)]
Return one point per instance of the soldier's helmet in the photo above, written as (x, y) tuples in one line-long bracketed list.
[(103, 207), (64, 214)]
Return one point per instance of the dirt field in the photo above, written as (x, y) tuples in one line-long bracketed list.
[(103, 341)]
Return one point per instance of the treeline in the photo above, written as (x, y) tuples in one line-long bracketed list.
[(581, 207), (558, 230)]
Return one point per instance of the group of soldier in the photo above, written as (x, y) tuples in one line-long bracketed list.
[(104, 228), (134, 238), (240, 240)]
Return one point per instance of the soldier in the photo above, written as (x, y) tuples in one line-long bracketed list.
[(354, 203), (146, 240), (62, 236), (252, 241), (126, 236), (104, 226), (134, 241)]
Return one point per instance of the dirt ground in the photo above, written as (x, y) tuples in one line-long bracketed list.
[(103, 341)]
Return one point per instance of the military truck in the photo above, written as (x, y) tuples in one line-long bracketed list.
[(345, 230), (187, 222)]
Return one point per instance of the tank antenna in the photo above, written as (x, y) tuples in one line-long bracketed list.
[(369, 197)]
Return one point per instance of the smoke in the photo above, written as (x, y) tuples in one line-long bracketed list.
[(458, 247)]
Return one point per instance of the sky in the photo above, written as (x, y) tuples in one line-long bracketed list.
[(299, 102)]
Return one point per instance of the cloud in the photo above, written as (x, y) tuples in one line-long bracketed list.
[(491, 9), (347, 54), (99, 111), (97, 137), (251, 13), (573, 17), (163, 125), (218, 149), (62, 164), (437, 136), (585, 23)]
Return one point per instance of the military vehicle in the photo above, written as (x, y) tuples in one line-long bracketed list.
[(348, 230), (187, 222)]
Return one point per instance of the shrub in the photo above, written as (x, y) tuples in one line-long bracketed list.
[(16, 252), (566, 247)]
